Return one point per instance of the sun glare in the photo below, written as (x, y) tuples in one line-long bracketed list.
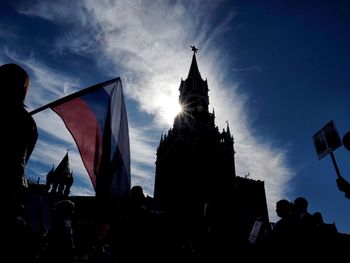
[(169, 108)]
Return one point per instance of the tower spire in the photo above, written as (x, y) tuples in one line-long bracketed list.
[(228, 128), (63, 167), (194, 73)]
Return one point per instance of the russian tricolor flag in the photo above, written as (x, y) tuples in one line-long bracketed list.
[(97, 119)]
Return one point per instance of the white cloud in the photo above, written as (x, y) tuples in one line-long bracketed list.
[(78, 190), (147, 42), (46, 85)]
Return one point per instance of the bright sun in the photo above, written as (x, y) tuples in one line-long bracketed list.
[(169, 108)]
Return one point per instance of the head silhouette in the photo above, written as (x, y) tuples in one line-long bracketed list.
[(283, 208), (14, 81), (318, 218), (346, 140), (64, 208), (300, 204), (136, 194)]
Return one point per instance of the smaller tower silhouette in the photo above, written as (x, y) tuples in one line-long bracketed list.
[(60, 180)]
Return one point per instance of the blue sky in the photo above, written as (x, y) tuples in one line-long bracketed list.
[(278, 71)]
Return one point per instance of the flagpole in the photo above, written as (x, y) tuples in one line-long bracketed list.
[(74, 95), (335, 165)]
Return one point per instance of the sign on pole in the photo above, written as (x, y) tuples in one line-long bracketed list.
[(326, 140)]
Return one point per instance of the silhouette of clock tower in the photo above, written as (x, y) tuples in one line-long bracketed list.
[(195, 161), (195, 179)]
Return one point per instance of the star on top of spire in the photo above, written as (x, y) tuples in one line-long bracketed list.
[(194, 49)]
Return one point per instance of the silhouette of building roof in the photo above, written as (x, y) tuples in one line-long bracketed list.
[(63, 168)]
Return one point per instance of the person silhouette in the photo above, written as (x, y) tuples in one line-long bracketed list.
[(20, 135), (61, 236), (344, 186), (342, 183), (346, 140), (20, 130), (283, 234)]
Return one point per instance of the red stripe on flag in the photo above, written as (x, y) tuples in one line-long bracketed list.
[(82, 124)]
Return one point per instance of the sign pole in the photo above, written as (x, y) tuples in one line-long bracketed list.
[(335, 165)]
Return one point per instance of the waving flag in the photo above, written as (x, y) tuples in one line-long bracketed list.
[(97, 119)]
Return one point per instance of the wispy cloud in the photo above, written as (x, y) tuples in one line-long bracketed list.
[(8, 35), (251, 68), (150, 50), (81, 190), (46, 84)]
